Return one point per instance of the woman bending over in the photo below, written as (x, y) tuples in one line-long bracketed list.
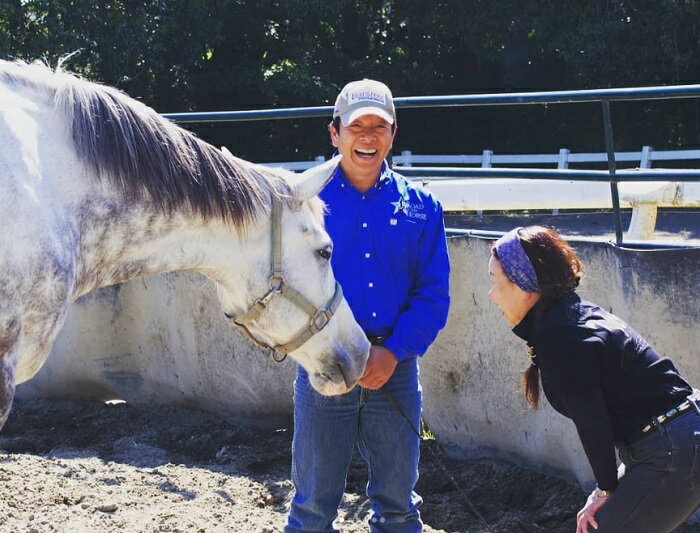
[(599, 372)]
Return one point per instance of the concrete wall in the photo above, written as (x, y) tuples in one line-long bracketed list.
[(472, 374), (162, 339)]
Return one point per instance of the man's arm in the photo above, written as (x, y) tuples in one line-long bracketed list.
[(425, 312)]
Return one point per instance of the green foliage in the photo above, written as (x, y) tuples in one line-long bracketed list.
[(179, 55)]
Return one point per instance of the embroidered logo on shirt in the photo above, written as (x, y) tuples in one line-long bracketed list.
[(408, 209)]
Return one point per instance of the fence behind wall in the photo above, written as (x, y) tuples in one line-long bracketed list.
[(482, 194), (611, 175)]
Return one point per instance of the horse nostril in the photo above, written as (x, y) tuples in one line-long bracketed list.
[(344, 372)]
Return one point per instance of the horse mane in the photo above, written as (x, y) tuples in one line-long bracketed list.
[(148, 157)]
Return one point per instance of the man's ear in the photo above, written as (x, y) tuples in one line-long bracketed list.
[(334, 134)]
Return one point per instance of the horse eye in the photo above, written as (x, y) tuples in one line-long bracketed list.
[(325, 253)]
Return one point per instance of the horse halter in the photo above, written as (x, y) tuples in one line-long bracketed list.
[(319, 317)]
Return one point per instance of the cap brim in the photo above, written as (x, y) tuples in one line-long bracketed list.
[(347, 118)]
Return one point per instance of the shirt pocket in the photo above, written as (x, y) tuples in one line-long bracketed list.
[(405, 233)]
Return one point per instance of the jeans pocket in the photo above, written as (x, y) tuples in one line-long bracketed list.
[(656, 451), (695, 469)]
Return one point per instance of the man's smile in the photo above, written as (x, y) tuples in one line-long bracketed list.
[(366, 152)]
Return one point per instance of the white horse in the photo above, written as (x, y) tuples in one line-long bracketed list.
[(97, 189)]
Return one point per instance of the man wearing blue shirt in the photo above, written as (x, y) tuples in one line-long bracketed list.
[(390, 257)]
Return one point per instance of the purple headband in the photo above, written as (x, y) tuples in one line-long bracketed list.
[(515, 261)]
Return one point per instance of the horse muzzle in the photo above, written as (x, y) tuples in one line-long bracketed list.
[(339, 373)]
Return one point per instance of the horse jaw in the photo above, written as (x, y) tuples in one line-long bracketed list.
[(335, 357)]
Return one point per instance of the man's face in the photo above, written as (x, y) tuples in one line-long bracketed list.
[(364, 143)]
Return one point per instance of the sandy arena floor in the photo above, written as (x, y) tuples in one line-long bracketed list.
[(80, 466)]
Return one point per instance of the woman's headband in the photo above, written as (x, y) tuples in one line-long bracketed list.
[(515, 262)]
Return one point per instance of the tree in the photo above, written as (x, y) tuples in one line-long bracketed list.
[(179, 55)]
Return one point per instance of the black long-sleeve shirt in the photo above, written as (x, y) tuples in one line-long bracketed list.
[(599, 372)]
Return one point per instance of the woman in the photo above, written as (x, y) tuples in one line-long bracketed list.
[(598, 371)]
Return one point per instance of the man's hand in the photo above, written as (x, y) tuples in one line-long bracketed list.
[(586, 516), (380, 366)]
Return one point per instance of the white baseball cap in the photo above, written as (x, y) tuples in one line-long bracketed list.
[(364, 97)]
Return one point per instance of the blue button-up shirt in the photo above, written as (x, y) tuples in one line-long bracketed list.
[(390, 257)]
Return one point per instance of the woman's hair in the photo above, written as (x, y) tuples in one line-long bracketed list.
[(558, 271)]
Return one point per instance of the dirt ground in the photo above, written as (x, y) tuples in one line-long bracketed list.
[(86, 466)]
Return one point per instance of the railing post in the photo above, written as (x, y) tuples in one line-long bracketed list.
[(644, 214), (562, 163), (406, 155), (563, 160), (485, 163), (610, 148)]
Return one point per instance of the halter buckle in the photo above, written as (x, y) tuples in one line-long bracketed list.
[(320, 319)]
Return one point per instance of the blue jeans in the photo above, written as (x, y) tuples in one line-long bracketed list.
[(659, 480), (326, 430)]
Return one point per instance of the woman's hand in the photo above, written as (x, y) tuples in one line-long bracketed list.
[(586, 516)]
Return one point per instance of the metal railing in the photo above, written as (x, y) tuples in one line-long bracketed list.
[(644, 158), (603, 96)]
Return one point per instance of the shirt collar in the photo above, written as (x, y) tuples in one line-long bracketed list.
[(525, 328), (385, 175), (528, 327)]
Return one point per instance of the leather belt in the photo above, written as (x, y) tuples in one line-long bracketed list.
[(376, 340), (661, 419)]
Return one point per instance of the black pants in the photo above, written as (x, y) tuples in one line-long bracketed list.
[(659, 480)]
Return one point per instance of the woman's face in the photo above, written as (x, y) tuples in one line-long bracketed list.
[(511, 299)]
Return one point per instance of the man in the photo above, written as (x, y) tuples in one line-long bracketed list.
[(390, 256)]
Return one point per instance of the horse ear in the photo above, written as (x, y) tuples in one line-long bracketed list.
[(310, 182)]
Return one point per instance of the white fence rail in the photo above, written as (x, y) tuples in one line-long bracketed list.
[(482, 194)]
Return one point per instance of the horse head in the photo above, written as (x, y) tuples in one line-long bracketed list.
[(292, 303)]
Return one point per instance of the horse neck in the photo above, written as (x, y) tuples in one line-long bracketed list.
[(117, 245)]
